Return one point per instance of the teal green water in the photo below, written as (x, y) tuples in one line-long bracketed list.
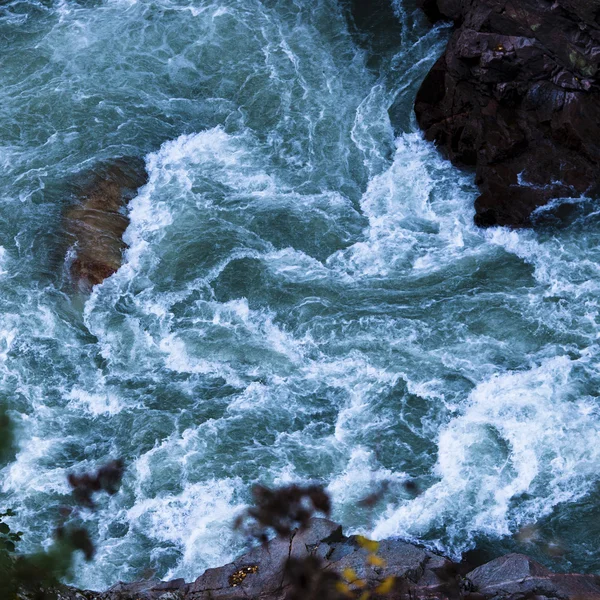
[(304, 298)]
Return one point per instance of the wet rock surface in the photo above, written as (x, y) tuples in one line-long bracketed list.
[(516, 95), (97, 220), (420, 574)]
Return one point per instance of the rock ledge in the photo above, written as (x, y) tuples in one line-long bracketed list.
[(421, 575)]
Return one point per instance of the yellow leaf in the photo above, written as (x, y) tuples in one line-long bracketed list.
[(343, 588), (364, 596), (375, 560), (349, 575), (367, 544), (359, 583), (386, 585)]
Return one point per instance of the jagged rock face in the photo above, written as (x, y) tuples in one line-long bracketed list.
[(517, 96), (97, 221)]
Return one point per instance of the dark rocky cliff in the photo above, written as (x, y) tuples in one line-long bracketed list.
[(516, 95)]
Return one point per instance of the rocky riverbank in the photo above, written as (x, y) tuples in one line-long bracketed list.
[(419, 574), (516, 95)]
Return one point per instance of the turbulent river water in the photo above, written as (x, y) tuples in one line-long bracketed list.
[(304, 298)]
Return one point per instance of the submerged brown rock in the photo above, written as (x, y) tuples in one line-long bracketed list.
[(419, 574), (517, 96), (97, 221)]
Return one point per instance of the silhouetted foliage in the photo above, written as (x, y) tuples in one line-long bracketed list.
[(412, 487), (308, 580), (8, 538), (107, 479), (287, 509), (282, 510), (277, 512), (38, 574), (373, 498), (78, 539)]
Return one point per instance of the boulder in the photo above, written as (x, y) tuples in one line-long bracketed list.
[(516, 96), (518, 577), (96, 221)]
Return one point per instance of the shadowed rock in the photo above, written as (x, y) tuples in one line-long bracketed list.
[(517, 96), (98, 221)]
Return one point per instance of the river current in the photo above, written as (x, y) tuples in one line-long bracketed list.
[(304, 297)]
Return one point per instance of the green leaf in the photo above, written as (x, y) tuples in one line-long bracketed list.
[(4, 528), (9, 545)]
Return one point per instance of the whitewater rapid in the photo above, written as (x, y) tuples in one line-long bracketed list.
[(304, 296)]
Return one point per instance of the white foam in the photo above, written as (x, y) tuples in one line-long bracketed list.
[(7, 338), (260, 325), (409, 225), (177, 359), (362, 476), (198, 521), (106, 403), (559, 267), (24, 476), (219, 154), (519, 433), (3, 261)]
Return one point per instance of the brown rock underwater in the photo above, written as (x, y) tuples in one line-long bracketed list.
[(96, 222)]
